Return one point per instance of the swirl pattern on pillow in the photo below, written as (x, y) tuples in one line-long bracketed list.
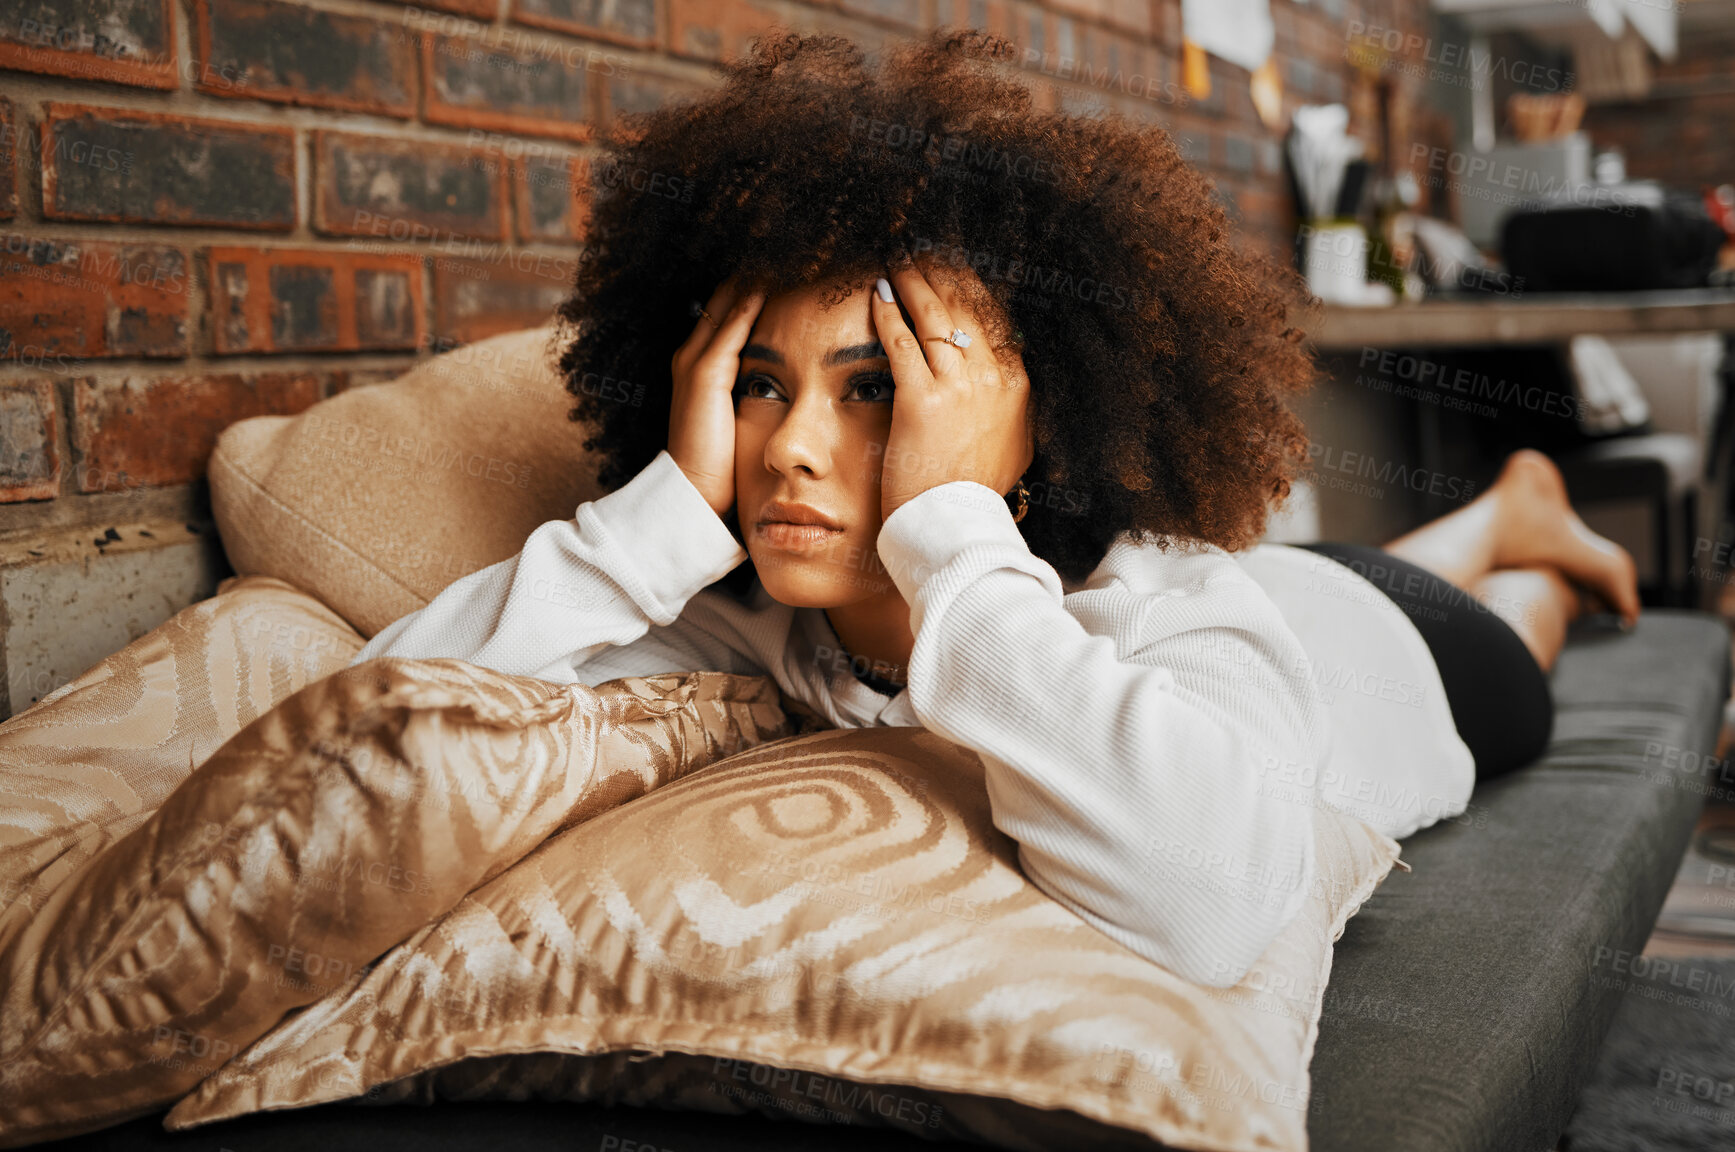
[(827, 927), (93, 759)]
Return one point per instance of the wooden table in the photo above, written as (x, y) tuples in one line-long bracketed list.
[(1520, 319)]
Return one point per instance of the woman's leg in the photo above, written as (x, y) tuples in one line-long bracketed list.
[(1499, 580), (1491, 587), (1496, 689), (1524, 520), (1538, 603)]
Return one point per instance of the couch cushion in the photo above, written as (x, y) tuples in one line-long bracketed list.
[(375, 499), (1468, 997)]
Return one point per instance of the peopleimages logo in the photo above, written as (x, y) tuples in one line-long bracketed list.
[(1503, 182), (1047, 281), (72, 38), (1416, 50), (1436, 376), (1327, 458), (793, 1085), (958, 151), (75, 263)]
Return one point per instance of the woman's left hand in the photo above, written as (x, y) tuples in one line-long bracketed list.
[(957, 413)]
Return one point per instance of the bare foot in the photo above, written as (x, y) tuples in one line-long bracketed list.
[(1539, 526)]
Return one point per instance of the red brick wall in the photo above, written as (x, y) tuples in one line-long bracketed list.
[(213, 209), (1683, 131)]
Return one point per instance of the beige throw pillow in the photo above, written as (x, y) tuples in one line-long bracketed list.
[(376, 499), (825, 928)]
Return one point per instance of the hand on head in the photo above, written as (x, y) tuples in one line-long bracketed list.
[(962, 408), (702, 413)]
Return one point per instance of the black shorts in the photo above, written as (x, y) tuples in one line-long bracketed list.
[(1499, 694)]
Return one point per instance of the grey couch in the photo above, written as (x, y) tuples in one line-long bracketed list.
[(1467, 998)]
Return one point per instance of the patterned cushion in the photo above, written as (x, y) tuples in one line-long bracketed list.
[(91, 761), (828, 928), (160, 918)]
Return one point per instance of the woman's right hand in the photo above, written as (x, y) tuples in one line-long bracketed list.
[(702, 416)]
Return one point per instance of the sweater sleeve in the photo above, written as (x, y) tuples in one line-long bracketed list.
[(1131, 759), (626, 561)]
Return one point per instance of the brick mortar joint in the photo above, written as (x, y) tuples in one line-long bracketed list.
[(60, 544)]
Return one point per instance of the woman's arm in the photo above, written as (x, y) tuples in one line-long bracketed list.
[(1129, 750), (626, 561)]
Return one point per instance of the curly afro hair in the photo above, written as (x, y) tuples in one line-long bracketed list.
[(1159, 353)]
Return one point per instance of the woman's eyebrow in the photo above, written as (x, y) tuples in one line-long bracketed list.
[(872, 350)]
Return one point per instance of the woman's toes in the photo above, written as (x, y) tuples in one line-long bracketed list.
[(1623, 585), (1605, 565), (1629, 586), (1618, 585)]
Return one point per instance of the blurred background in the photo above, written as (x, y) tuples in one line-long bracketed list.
[(214, 209)]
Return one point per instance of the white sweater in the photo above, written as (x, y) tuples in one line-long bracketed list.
[(1154, 739)]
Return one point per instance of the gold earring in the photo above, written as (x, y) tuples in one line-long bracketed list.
[(1023, 495)]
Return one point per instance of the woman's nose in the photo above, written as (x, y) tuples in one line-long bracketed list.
[(804, 438)]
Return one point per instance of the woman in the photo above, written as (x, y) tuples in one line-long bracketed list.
[(993, 411)]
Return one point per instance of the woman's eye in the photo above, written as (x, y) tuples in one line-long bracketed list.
[(877, 388), (874, 389), (744, 388)]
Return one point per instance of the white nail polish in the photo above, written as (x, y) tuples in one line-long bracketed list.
[(884, 289)]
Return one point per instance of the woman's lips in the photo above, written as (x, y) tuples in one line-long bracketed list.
[(796, 537)]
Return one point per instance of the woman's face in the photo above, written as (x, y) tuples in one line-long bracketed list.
[(813, 410)]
